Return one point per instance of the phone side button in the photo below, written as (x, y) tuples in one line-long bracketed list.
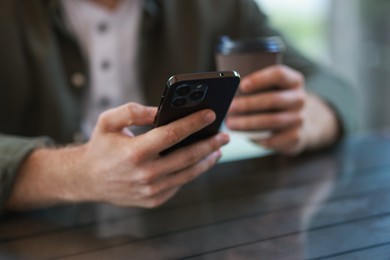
[(158, 111)]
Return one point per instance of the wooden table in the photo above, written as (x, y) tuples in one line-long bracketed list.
[(334, 204)]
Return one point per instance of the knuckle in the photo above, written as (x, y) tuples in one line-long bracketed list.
[(279, 72), (192, 156), (136, 157), (172, 135), (287, 74), (130, 107), (146, 178), (149, 191), (103, 118)]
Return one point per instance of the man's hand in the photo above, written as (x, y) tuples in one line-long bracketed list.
[(118, 168), (275, 99)]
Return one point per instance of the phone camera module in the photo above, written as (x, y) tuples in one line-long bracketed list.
[(179, 102), (183, 90), (188, 95)]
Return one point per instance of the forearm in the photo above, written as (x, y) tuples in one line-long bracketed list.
[(321, 127), (47, 177), (116, 168)]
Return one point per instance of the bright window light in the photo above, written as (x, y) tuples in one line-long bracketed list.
[(303, 22)]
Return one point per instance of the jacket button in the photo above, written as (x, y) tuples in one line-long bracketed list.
[(78, 80), (79, 137)]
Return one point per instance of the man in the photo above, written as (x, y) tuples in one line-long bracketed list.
[(64, 63)]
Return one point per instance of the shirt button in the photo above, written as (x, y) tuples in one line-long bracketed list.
[(102, 27), (106, 65), (104, 102), (79, 137), (78, 80)]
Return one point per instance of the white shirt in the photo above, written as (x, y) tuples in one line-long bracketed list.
[(109, 41)]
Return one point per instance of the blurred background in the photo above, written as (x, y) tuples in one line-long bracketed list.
[(350, 36)]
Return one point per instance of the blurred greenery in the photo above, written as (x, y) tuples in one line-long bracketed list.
[(306, 30), (308, 33)]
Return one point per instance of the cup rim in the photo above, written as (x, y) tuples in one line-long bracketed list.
[(273, 44)]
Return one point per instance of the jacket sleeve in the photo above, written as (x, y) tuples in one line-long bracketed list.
[(13, 151), (321, 81)]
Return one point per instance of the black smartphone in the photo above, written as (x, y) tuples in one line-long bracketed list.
[(188, 93)]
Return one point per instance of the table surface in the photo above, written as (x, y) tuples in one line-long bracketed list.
[(333, 204)]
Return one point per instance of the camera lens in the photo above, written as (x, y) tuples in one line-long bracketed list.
[(196, 95), (183, 90), (179, 102)]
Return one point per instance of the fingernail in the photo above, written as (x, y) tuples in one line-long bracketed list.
[(244, 84), (209, 116), (217, 154), (224, 138)]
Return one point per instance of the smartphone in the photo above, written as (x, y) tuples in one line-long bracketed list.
[(188, 93)]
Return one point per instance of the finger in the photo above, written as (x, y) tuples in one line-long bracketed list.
[(182, 158), (288, 141), (180, 178), (268, 101), (163, 137), (279, 75), (114, 120), (265, 121), (190, 155), (160, 198)]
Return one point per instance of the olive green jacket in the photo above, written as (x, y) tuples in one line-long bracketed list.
[(43, 75)]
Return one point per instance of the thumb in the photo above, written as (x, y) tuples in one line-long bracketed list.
[(114, 120)]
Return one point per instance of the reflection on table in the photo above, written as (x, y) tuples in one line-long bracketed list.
[(332, 204)]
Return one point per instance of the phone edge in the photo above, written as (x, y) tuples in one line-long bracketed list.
[(205, 75)]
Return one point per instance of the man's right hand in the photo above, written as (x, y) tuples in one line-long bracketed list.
[(118, 168)]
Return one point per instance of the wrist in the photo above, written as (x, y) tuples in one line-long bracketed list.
[(47, 177), (67, 162), (320, 131)]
